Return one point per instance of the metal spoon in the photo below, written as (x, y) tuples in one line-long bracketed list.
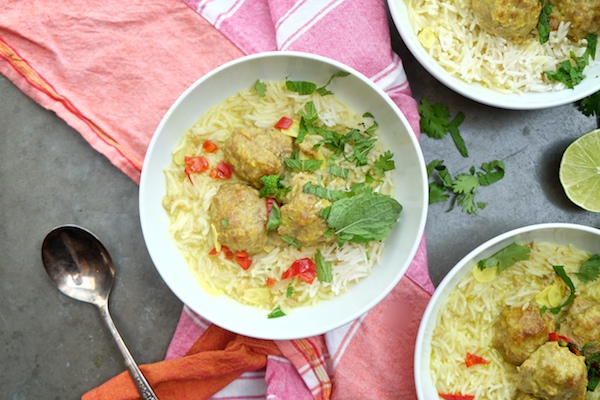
[(82, 269)]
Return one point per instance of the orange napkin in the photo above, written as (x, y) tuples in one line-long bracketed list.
[(215, 360)]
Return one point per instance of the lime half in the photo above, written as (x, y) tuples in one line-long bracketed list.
[(580, 171)]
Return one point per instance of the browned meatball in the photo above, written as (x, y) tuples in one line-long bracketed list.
[(510, 19), (582, 323), (300, 217), (239, 215), (524, 396), (254, 153), (553, 373), (518, 333), (584, 16)]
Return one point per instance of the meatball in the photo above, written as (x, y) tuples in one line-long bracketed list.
[(239, 216), (518, 333), (553, 373), (524, 396), (300, 217), (584, 16), (510, 19), (254, 153), (582, 323)]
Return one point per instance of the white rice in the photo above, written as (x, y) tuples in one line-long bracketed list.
[(468, 53), (187, 205), (465, 322)]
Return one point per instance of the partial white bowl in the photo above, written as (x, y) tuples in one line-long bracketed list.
[(583, 237), (479, 93), (410, 179)]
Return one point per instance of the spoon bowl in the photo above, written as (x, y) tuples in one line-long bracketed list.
[(82, 269)]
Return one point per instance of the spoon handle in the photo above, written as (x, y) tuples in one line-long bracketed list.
[(142, 384)]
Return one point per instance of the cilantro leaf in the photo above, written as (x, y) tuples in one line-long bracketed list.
[(505, 258), (384, 163), (289, 291), (434, 118), (494, 171), (437, 193), (276, 313), (590, 270), (301, 87), (323, 268), (543, 26), (260, 87), (590, 105), (570, 72), (455, 134), (363, 218)]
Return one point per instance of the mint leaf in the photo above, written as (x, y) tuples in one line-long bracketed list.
[(291, 241), (274, 219), (590, 270), (363, 218), (323, 91), (325, 193), (303, 165), (505, 258), (544, 22)]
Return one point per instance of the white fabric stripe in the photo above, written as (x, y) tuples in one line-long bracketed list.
[(250, 384), (213, 9), (343, 339), (391, 76), (201, 322), (228, 14), (308, 14)]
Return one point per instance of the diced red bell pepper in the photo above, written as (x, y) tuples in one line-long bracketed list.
[(271, 282), (456, 396), (555, 337), (472, 359), (242, 258), (196, 164), (304, 268), (209, 146), (224, 249), (222, 171), (284, 123)]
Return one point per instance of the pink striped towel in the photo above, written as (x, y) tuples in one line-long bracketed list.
[(111, 69)]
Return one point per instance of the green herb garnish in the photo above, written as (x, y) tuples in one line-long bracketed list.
[(323, 91), (544, 21), (274, 219), (323, 268), (260, 87), (225, 222), (291, 241), (590, 269), (365, 217), (324, 193), (289, 291), (435, 123), (590, 105), (303, 165), (384, 163), (276, 313), (505, 258), (570, 72)]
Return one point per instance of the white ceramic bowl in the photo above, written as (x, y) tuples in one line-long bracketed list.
[(409, 177), (582, 237), (479, 93)]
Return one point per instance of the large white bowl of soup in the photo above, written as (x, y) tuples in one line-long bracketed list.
[(517, 317), (283, 195), (471, 47)]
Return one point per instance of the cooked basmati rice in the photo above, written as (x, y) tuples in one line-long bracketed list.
[(466, 319), (187, 204), (468, 53)]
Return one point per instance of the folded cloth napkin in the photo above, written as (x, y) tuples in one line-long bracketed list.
[(111, 69)]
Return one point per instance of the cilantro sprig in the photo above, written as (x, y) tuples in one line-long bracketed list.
[(590, 105), (463, 187), (506, 257), (560, 271), (435, 123), (570, 71), (590, 269)]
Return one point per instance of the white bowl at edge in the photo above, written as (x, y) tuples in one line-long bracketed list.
[(479, 93), (410, 179), (583, 237)]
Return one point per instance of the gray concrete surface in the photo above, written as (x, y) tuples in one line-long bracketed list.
[(52, 347)]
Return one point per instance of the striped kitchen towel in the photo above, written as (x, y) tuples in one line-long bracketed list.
[(112, 68)]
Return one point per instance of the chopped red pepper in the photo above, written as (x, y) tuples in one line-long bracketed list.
[(555, 337), (224, 249), (456, 396), (304, 268), (284, 123), (223, 171), (242, 258), (271, 282), (472, 359), (209, 146), (195, 164)]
